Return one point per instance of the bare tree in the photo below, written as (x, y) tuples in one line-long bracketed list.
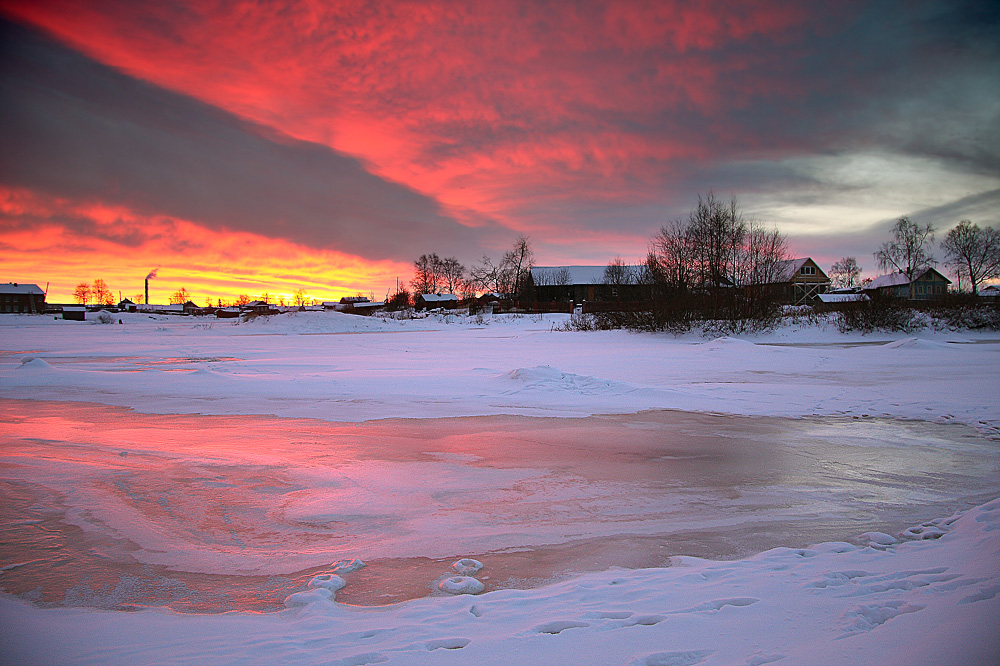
[(671, 256), (846, 272), (716, 231), (488, 276), (241, 300), (452, 274), (974, 253), (101, 294), (618, 274), (82, 293), (762, 256), (510, 275), (299, 297), (180, 297), (426, 277), (908, 251), (517, 263)]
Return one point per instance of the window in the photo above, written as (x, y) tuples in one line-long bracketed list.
[(808, 270)]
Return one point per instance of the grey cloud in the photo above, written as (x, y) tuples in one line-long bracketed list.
[(74, 128)]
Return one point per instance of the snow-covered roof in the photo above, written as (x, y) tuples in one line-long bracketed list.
[(361, 305), (20, 288), (899, 279), (787, 269), (890, 280), (438, 298), (550, 275), (841, 297)]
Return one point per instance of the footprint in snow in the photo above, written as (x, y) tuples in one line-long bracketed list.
[(362, 659), (559, 627), (447, 644), (689, 658), (984, 594), (719, 604), (865, 618)]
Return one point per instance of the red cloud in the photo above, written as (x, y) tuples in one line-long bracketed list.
[(475, 104)]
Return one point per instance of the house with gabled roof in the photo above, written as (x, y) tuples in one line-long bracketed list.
[(15, 297), (434, 301), (928, 285), (798, 281)]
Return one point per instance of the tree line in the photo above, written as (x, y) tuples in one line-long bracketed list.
[(98, 293), (435, 275), (972, 253)]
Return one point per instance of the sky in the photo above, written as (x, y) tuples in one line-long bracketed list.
[(244, 147)]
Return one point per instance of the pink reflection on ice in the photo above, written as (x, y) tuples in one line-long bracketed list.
[(107, 507)]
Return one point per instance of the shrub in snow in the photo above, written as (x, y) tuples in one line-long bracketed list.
[(879, 313), (965, 312), (105, 318)]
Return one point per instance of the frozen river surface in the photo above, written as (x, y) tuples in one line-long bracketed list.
[(106, 507)]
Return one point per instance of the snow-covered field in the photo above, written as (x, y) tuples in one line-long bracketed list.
[(885, 427)]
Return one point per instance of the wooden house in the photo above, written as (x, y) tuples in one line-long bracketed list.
[(24, 298), (258, 308), (434, 301), (576, 284), (930, 284), (799, 282)]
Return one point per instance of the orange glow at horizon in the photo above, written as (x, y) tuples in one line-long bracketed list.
[(122, 247)]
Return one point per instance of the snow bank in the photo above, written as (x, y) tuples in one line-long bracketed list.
[(342, 367), (918, 601)]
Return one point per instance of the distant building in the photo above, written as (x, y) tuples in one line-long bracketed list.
[(74, 312), (583, 283), (258, 308), (433, 301), (929, 285), (15, 297), (346, 304), (366, 307)]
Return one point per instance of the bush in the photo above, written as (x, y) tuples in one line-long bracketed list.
[(965, 312), (399, 301), (578, 322), (879, 313)]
